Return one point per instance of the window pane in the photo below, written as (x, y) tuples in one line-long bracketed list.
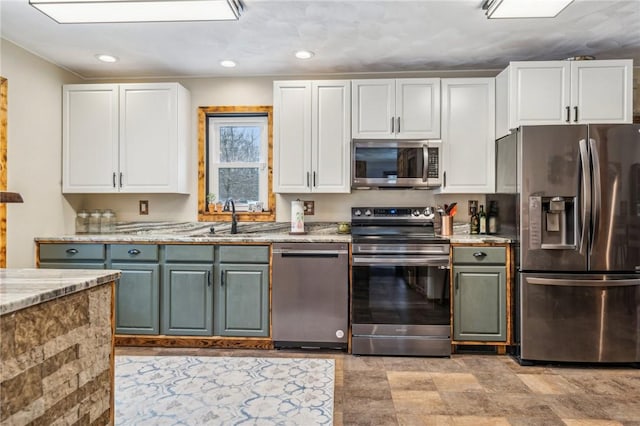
[(239, 144), (241, 184)]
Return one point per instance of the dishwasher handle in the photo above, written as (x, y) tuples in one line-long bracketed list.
[(309, 253)]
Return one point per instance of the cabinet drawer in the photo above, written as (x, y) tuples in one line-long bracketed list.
[(186, 253), (478, 255), (72, 265), (244, 254), (134, 252), (71, 251)]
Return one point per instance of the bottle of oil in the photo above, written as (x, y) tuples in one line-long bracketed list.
[(482, 219), (474, 223)]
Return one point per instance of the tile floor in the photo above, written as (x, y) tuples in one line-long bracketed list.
[(470, 389)]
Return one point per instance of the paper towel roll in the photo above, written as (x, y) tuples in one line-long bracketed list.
[(297, 216)]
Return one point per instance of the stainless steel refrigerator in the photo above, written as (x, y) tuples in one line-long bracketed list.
[(576, 218)]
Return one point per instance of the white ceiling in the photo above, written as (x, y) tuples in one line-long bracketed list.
[(346, 36)]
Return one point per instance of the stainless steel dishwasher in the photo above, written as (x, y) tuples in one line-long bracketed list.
[(310, 295)]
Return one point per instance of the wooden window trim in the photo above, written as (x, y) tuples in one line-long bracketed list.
[(203, 214)]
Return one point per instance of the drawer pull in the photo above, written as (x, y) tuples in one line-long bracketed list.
[(479, 254), (134, 252), (72, 251)]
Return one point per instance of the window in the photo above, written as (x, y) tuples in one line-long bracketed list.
[(235, 161), (238, 160)]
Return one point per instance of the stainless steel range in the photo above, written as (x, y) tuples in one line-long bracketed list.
[(400, 296)]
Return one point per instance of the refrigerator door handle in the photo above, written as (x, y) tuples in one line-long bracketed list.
[(597, 191), (585, 193), (584, 282)]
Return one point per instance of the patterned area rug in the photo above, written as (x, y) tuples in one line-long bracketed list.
[(188, 390)]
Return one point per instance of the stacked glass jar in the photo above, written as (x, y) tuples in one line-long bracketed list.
[(108, 222), (82, 222), (96, 222)]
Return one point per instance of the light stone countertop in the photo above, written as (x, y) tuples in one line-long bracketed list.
[(248, 232), (22, 288), (200, 232)]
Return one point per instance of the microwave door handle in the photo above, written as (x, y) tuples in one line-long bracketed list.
[(425, 163)]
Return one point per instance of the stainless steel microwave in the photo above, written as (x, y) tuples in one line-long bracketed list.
[(401, 164)]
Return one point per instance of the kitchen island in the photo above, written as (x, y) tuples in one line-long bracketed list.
[(56, 346)]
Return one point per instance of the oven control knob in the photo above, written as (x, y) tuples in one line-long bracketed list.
[(415, 212), (367, 212), (357, 213)]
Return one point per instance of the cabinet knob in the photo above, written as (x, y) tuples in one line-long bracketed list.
[(479, 254), (134, 252), (72, 251)]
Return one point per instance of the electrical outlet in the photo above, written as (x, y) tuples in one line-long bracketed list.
[(308, 207), (143, 207)]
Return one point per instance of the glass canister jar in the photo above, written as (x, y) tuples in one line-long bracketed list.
[(108, 222), (82, 222), (94, 222)]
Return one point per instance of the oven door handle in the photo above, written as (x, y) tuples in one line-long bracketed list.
[(401, 261)]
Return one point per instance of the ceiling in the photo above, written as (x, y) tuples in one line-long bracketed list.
[(347, 37)]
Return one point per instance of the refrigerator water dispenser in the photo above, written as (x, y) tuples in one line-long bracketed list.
[(554, 227)]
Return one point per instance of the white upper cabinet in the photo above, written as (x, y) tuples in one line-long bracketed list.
[(602, 91), (396, 109), (468, 135), (563, 92), (90, 138), (312, 135), (125, 138)]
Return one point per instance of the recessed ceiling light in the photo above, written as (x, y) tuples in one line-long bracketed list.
[(304, 54), (106, 58), (228, 63)]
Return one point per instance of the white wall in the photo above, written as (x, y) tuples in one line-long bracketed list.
[(34, 141)]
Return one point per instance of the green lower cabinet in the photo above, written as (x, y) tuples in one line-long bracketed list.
[(242, 307), (479, 309), (187, 299), (138, 298)]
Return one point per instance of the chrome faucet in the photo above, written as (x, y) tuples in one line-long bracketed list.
[(234, 220)]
